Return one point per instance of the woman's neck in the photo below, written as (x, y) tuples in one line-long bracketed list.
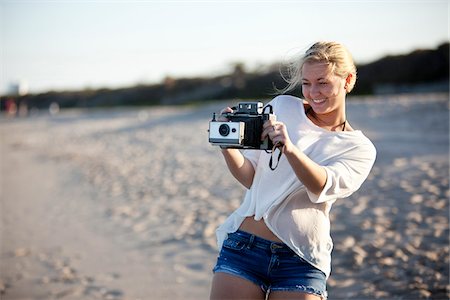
[(334, 121)]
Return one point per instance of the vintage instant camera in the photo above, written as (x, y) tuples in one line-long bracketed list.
[(244, 127)]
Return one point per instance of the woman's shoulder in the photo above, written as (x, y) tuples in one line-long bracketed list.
[(288, 99), (288, 103), (358, 143)]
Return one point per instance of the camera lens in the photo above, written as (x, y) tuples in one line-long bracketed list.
[(224, 130)]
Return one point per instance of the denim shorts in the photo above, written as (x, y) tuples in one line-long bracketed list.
[(270, 265)]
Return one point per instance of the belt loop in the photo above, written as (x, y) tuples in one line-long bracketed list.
[(251, 241), (274, 247)]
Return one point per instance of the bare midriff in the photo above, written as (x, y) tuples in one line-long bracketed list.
[(258, 228)]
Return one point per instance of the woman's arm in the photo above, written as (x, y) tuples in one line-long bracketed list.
[(239, 166), (312, 175)]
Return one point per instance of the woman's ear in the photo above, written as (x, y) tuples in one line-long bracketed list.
[(348, 80)]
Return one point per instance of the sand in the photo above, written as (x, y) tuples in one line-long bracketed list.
[(122, 204)]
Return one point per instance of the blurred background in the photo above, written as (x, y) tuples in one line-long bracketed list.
[(109, 188), (106, 53)]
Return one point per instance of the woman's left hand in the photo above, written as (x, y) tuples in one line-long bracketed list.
[(277, 132)]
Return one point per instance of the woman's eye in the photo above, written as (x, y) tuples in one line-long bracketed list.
[(323, 83)]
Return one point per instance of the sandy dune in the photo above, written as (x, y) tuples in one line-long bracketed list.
[(123, 204)]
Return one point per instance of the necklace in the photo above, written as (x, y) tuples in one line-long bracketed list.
[(342, 124)]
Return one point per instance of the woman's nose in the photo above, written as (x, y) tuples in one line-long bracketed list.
[(314, 91)]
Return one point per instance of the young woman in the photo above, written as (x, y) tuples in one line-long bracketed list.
[(278, 243)]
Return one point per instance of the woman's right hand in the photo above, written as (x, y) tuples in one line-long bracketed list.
[(221, 117)]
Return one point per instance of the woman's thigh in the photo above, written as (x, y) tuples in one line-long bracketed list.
[(293, 296), (226, 286)]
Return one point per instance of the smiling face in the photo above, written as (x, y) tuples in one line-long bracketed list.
[(323, 90)]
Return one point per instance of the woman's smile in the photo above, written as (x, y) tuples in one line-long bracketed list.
[(318, 101)]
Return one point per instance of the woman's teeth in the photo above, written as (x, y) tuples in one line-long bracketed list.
[(318, 100)]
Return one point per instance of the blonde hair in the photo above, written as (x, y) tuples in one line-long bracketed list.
[(337, 57)]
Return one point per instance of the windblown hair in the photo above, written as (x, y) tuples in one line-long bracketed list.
[(335, 55)]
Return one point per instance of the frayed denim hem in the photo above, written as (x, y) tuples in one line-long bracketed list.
[(301, 288), (265, 289)]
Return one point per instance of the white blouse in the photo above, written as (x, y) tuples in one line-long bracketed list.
[(294, 214)]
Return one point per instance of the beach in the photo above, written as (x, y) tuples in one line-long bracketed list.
[(123, 203)]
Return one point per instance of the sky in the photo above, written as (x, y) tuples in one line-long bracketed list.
[(71, 45)]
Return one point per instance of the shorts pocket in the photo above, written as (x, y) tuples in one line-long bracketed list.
[(232, 244)]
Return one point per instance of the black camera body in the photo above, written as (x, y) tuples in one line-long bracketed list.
[(243, 129)]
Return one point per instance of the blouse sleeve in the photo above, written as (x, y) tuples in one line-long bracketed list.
[(346, 174), (252, 156)]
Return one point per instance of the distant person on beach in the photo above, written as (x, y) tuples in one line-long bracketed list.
[(278, 242)]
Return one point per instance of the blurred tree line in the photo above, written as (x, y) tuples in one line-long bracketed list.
[(418, 71)]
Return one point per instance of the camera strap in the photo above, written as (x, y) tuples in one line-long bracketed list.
[(277, 145), (270, 107), (280, 148)]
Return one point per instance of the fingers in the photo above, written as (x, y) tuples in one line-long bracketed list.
[(272, 129), (268, 127), (221, 118), (226, 110)]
